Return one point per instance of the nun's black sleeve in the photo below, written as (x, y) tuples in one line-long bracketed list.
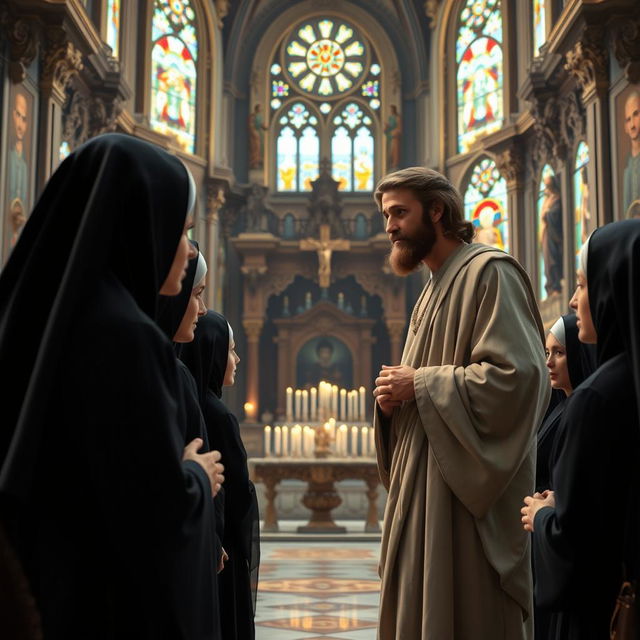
[(579, 546)]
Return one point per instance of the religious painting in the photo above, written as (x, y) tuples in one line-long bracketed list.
[(324, 358), (627, 132), (485, 204), (19, 162), (550, 235), (584, 220)]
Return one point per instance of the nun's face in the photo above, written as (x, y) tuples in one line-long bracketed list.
[(580, 304), (232, 363), (195, 310), (185, 252), (557, 364)]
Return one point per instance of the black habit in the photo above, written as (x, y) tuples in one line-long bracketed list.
[(587, 544), (112, 528), (206, 358)]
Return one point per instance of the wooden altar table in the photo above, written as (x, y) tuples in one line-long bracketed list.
[(321, 496)]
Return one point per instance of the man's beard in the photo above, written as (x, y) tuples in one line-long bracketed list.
[(407, 254)]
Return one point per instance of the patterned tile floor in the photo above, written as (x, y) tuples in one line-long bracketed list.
[(318, 591)]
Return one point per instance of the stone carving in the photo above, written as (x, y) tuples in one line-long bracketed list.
[(325, 206), (215, 202), (256, 213), (61, 60), (75, 118), (588, 61), (431, 11), (103, 115), (510, 164), (23, 43), (222, 10), (626, 47)]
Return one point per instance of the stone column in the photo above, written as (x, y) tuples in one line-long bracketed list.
[(589, 64), (215, 201), (253, 329), (510, 164), (396, 332)]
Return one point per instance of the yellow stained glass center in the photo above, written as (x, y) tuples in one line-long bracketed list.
[(325, 58)]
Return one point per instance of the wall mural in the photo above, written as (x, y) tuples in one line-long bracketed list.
[(628, 146), (324, 358)]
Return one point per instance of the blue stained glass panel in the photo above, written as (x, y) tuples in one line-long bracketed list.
[(582, 213)]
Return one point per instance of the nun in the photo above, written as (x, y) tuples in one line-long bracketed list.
[(104, 506), (586, 529), (569, 362), (212, 360)]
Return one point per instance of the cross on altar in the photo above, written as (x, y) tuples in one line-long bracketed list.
[(324, 248)]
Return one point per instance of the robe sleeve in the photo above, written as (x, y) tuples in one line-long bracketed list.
[(481, 419)]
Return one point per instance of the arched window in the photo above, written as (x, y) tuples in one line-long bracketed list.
[(113, 26), (297, 148), (321, 61), (479, 71), (174, 57), (539, 25), (352, 149), (581, 196), (485, 204), (289, 227), (550, 240), (361, 231)]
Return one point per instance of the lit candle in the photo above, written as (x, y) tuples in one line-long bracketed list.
[(305, 404), (267, 441), (334, 400), (364, 439), (343, 405), (277, 444), (298, 405), (354, 441), (296, 444), (285, 441), (289, 404), (342, 435), (362, 404), (314, 404)]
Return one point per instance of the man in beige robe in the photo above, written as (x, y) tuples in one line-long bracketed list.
[(455, 427)]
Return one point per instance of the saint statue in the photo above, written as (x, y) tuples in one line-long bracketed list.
[(256, 129), (393, 131)]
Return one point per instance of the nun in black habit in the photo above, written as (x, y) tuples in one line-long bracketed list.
[(109, 514), (586, 530), (212, 360), (569, 362)]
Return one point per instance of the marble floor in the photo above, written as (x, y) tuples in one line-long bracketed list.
[(318, 591)]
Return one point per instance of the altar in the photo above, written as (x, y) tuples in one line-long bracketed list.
[(321, 496)]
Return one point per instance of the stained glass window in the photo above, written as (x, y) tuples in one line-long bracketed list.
[(319, 62), (480, 73), (352, 149), (539, 25), (582, 213), (485, 204), (549, 225), (297, 149), (113, 26), (174, 56), (325, 57)]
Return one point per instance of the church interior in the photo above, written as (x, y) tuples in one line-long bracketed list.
[(287, 113)]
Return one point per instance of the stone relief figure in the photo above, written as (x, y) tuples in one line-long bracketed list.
[(551, 236), (256, 128), (256, 211), (393, 132), (631, 176)]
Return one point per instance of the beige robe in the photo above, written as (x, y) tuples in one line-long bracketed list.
[(457, 461)]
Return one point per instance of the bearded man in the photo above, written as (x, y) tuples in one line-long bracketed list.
[(455, 427)]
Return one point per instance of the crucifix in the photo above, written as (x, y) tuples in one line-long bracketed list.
[(324, 248)]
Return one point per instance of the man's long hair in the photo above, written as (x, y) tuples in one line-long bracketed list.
[(429, 186)]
